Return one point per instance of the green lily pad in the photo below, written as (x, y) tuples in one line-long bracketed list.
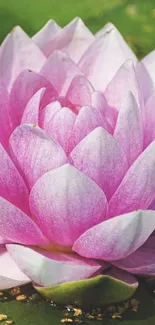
[(41, 312), (98, 291)]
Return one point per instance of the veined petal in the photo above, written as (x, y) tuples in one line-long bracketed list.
[(18, 52), (73, 204), (10, 274), (116, 238), (34, 152), (31, 111), (80, 92), (49, 268), (149, 63)]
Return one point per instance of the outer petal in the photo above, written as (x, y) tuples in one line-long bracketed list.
[(87, 120), (73, 204), (48, 112), (73, 39), (145, 81), (104, 57), (12, 186), (17, 227), (118, 89), (25, 86), (46, 34), (5, 128), (100, 157), (51, 268), (80, 92), (137, 190), (142, 261), (60, 127), (34, 152), (128, 131), (149, 63), (31, 112), (149, 121), (116, 238), (18, 52), (60, 70), (10, 274)]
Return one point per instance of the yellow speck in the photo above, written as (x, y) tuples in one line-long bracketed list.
[(21, 297), (66, 320), (1, 294), (3, 317), (77, 312), (9, 322), (15, 291), (116, 315)]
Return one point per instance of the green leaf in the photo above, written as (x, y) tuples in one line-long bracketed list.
[(98, 291)]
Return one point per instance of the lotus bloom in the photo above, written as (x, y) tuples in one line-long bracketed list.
[(77, 153)]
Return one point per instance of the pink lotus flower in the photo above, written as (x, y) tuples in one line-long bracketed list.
[(77, 152)]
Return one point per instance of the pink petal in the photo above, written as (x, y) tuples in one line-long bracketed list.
[(46, 34), (31, 111), (18, 52), (100, 157), (17, 227), (80, 92), (5, 128), (25, 86), (145, 81), (12, 186), (34, 152), (87, 120), (60, 127), (73, 204), (149, 121), (128, 131), (141, 261), (116, 238), (73, 39), (51, 268), (118, 89), (48, 112), (60, 70), (104, 57), (109, 113), (10, 274), (149, 63), (137, 189)]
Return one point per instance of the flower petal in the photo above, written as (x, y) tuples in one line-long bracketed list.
[(18, 52), (149, 121), (128, 131), (31, 111), (51, 268), (60, 127), (118, 89), (73, 204), (80, 92), (46, 34), (73, 39), (137, 189), (141, 261), (10, 274), (100, 157), (149, 63), (25, 86), (18, 227), (87, 120), (5, 128), (104, 57), (34, 152), (60, 70), (116, 238), (47, 112), (12, 186)]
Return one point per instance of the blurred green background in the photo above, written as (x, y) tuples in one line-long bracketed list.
[(134, 18)]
